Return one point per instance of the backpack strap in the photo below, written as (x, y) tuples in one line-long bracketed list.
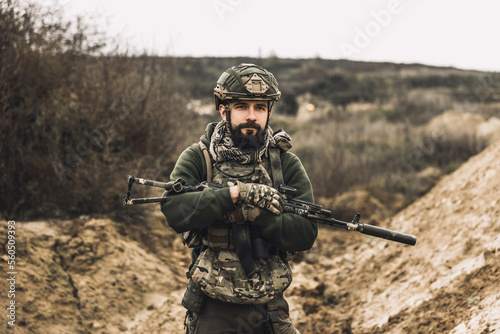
[(208, 161), (194, 298)]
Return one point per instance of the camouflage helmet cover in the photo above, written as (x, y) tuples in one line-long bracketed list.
[(246, 81)]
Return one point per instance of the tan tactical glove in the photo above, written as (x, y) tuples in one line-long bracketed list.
[(261, 196)]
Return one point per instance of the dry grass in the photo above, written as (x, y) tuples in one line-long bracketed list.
[(366, 149)]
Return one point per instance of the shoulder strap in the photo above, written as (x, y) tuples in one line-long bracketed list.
[(208, 161), (276, 170)]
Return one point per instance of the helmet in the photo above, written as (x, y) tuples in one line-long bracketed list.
[(248, 82)]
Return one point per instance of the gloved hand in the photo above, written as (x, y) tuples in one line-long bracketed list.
[(261, 196), (249, 213), (241, 214)]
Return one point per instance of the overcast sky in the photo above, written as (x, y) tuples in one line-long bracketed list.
[(463, 34)]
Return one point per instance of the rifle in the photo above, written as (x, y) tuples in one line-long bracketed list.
[(311, 211)]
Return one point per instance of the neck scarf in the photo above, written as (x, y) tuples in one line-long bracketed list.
[(222, 147)]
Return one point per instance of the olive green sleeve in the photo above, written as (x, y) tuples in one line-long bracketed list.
[(199, 209), (288, 231)]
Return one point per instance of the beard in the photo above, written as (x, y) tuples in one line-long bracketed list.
[(246, 140)]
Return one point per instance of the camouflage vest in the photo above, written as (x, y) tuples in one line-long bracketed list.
[(219, 234), (218, 270)]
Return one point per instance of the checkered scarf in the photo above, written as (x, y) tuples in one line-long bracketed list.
[(223, 149)]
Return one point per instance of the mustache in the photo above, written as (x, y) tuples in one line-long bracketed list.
[(249, 124)]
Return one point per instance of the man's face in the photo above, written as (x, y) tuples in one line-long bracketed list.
[(248, 121)]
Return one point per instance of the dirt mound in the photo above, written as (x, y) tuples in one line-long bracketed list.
[(447, 283), (98, 276), (375, 204), (90, 276)]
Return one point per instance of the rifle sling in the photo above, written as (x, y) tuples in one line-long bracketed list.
[(243, 244)]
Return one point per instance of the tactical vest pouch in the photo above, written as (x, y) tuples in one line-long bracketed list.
[(193, 238), (193, 298), (220, 275)]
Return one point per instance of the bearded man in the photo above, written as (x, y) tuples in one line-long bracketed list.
[(240, 236)]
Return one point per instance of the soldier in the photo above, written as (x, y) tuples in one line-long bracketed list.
[(240, 237)]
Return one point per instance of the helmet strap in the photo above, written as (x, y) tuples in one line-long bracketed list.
[(228, 116)]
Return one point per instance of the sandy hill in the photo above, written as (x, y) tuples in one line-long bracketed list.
[(448, 283), (92, 275)]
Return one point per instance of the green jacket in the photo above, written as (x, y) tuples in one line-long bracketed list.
[(196, 210)]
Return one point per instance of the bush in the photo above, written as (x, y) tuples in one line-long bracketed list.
[(75, 122), (418, 106)]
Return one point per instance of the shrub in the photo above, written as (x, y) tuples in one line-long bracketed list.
[(74, 121)]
